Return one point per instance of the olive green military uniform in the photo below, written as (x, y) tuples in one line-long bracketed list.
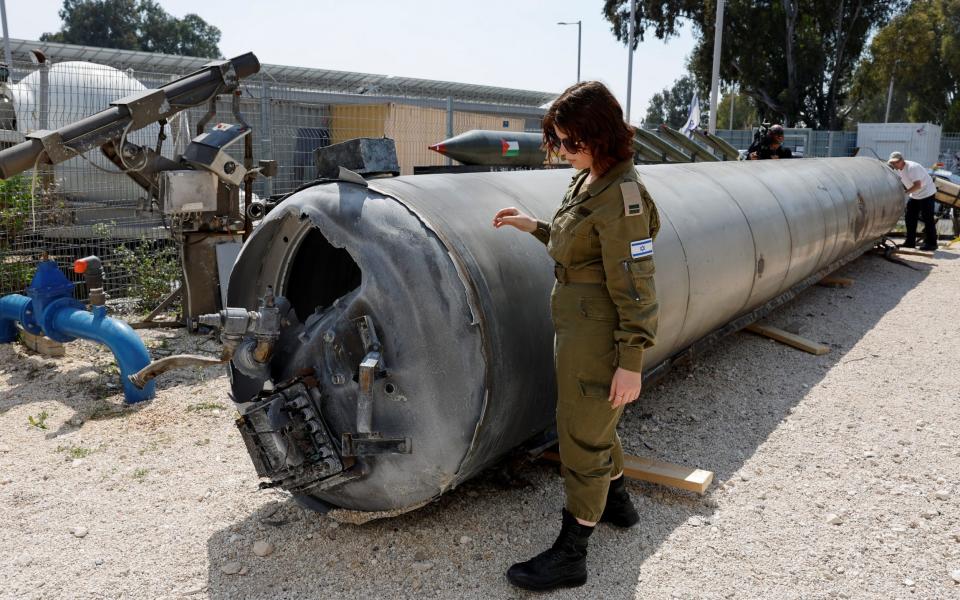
[(604, 309)]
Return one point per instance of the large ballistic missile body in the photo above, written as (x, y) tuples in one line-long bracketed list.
[(411, 272), (482, 147)]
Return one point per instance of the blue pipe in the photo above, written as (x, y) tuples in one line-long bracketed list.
[(122, 340), (51, 310), (13, 309)]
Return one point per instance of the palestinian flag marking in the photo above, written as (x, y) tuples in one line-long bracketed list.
[(509, 148)]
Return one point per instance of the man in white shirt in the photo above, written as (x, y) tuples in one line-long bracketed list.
[(921, 189)]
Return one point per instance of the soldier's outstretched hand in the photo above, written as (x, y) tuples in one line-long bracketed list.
[(512, 216)]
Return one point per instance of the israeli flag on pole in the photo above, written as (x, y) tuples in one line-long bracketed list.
[(693, 121)]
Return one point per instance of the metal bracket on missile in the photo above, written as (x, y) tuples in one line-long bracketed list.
[(229, 72), (144, 107), (366, 444), (366, 441), (56, 150)]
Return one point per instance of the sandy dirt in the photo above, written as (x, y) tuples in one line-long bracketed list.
[(837, 476)]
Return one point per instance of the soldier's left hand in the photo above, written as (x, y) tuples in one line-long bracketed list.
[(625, 387)]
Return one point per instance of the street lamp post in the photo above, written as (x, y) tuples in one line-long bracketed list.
[(633, 17), (715, 79), (579, 25)]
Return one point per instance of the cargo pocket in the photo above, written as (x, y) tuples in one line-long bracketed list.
[(595, 391), (569, 236), (599, 309), (641, 277)]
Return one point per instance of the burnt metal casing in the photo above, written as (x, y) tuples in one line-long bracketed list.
[(364, 156), (461, 310)]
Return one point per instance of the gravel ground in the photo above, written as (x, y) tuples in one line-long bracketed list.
[(836, 477)]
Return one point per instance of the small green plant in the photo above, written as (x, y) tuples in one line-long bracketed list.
[(154, 270), (111, 370), (204, 406), (75, 451), (103, 229), (140, 474), (15, 208), (15, 275), (40, 421), (161, 344)]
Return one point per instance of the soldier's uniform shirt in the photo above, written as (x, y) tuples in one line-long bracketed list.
[(604, 311)]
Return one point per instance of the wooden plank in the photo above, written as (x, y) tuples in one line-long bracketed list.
[(790, 339), (660, 472), (41, 345), (836, 282), (914, 252)]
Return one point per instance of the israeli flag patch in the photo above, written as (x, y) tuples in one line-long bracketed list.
[(641, 248)]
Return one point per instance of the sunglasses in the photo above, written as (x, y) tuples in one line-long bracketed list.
[(568, 144)]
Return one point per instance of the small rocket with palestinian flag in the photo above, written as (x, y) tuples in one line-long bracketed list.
[(485, 147)]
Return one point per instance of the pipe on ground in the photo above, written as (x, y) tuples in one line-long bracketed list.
[(50, 310), (126, 345)]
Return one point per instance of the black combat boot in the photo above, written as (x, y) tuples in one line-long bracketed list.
[(619, 510), (563, 565)]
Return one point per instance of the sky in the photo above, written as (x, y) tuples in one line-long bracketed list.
[(508, 43)]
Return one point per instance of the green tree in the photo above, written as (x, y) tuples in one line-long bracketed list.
[(134, 25), (744, 112), (794, 58), (671, 105), (920, 51)]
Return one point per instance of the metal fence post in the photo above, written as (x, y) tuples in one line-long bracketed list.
[(449, 123), (266, 133)]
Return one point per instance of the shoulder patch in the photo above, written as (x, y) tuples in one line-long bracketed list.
[(641, 248), (632, 198)]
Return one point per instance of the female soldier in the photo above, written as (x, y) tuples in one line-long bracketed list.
[(604, 312)]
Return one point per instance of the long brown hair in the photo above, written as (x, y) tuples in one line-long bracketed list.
[(591, 117)]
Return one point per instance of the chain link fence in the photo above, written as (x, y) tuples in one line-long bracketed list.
[(805, 142), (811, 143), (87, 206)]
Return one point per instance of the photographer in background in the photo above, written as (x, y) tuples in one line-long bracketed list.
[(769, 144)]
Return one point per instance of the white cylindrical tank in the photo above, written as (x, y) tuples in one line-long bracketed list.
[(65, 92)]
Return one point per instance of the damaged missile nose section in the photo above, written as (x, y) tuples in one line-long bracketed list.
[(284, 427), (376, 387)]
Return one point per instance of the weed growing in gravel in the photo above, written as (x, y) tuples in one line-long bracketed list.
[(203, 442), (40, 421), (75, 451), (204, 406), (161, 344), (140, 474)]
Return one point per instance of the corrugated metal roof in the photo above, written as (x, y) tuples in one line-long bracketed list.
[(325, 79)]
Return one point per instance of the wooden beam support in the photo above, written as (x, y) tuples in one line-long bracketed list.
[(657, 471), (914, 252), (790, 339), (836, 282), (41, 344)]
